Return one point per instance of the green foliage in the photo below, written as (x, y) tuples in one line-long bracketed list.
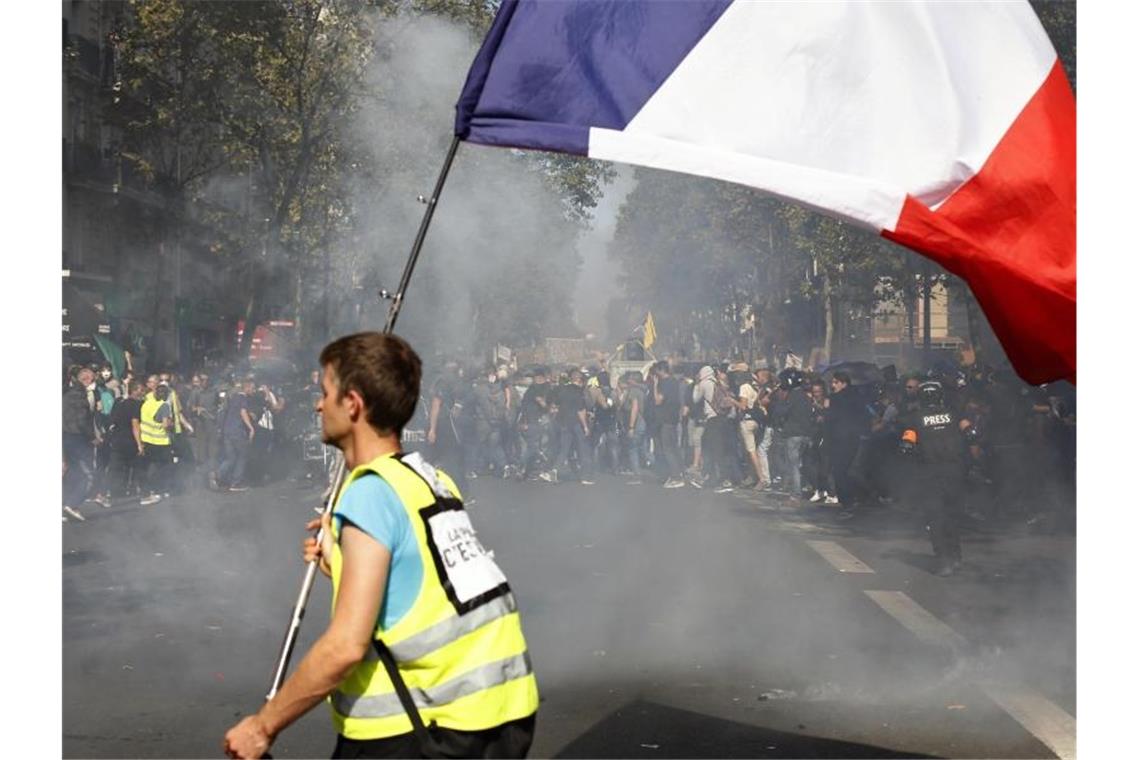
[(1059, 17), (241, 114), (702, 254)]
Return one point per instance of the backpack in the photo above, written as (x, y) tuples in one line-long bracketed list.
[(721, 401)]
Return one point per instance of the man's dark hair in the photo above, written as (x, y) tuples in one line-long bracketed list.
[(384, 370), (661, 366), (842, 377)]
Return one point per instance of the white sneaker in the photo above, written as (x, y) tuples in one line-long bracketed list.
[(817, 496), (75, 513), (146, 501), (674, 483), (831, 500), (550, 476)]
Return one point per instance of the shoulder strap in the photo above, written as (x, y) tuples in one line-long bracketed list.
[(428, 747)]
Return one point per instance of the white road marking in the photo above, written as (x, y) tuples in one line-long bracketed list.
[(1050, 724), (917, 620), (839, 558)]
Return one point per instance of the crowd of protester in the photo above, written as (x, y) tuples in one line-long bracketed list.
[(825, 438), (155, 436)]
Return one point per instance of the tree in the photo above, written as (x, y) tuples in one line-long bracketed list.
[(250, 116)]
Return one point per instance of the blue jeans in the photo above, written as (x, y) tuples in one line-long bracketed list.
[(489, 449), (532, 444), (574, 437), (634, 442), (79, 453), (669, 454), (795, 447), (235, 452)]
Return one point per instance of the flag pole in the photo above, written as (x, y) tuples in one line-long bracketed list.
[(397, 300)]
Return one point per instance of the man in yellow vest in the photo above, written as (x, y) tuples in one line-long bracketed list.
[(155, 422), (424, 655)]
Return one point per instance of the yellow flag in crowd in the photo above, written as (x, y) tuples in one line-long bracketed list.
[(650, 331)]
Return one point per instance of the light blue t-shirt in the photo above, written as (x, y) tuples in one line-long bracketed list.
[(371, 505)]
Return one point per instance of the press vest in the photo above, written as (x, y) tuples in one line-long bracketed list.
[(939, 439), (460, 648), (152, 431)]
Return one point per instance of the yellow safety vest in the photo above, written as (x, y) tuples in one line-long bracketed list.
[(176, 410), (152, 431), (460, 648)]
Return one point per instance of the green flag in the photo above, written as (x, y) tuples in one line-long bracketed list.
[(113, 353)]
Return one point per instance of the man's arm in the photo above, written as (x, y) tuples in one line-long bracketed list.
[(136, 431), (436, 403), (364, 575), (248, 421)]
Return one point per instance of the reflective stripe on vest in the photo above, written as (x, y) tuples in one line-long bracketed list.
[(464, 661), (152, 432), (479, 679), (441, 634)]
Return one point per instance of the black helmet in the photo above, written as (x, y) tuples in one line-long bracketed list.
[(792, 378), (930, 393)]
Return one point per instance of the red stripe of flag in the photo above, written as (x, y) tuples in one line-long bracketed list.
[(1010, 232)]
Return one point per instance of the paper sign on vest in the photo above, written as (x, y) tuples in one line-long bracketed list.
[(466, 570), (467, 565)]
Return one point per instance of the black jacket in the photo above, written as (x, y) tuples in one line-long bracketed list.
[(792, 415), (847, 419), (78, 419)]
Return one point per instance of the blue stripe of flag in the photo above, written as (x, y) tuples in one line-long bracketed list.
[(551, 69)]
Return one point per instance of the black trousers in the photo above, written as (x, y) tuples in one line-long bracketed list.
[(510, 740), (936, 490)]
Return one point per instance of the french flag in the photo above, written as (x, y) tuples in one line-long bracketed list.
[(947, 127)]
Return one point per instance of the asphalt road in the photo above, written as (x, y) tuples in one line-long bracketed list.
[(661, 624)]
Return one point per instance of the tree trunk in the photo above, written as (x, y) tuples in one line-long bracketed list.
[(252, 317), (973, 324), (828, 317), (926, 278), (910, 296)]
